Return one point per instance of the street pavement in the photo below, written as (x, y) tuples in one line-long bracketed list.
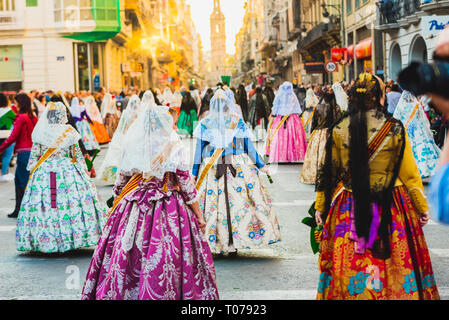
[(283, 271)]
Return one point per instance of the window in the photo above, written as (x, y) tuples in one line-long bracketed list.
[(348, 6), (31, 3), (357, 4), (7, 5)]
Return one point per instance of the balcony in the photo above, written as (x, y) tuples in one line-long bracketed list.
[(322, 35), (439, 7), (11, 20), (394, 14), (87, 20)]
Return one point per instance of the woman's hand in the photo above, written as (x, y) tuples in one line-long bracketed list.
[(265, 170), (202, 224), (318, 219), (424, 219)]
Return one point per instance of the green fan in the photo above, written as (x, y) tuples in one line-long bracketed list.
[(90, 163), (315, 230), (7, 120)]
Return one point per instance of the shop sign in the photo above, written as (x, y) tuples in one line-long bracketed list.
[(314, 67), (432, 25)]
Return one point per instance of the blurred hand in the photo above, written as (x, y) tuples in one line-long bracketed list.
[(440, 102), (318, 219), (202, 224), (424, 219), (265, 170)]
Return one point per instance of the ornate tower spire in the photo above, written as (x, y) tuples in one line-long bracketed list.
[(218, 41)]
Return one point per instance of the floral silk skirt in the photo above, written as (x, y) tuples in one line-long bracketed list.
[(348, 275), (151, 249)]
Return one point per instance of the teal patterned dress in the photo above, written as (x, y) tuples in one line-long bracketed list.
[(60, 210)]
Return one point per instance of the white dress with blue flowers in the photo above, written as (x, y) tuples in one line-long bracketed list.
[(253, 220), (425, 150)]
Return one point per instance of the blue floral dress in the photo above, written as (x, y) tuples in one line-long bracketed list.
[(425, 151)]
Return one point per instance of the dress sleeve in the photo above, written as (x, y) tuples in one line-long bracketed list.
[(187, 186), (198, 157), (409, 176), (120, 183), (35, 155), (252, 153)]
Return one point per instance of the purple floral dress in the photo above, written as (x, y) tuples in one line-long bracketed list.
[(152, 247)]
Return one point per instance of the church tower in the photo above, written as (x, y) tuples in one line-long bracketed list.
[(218, 42)]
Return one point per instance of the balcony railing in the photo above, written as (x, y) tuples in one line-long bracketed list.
[(392, 11)]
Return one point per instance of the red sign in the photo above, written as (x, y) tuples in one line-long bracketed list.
[(337, 54)]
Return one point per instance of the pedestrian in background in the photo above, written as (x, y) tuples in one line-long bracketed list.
[(21, 135), (7, 117), (393, 98)]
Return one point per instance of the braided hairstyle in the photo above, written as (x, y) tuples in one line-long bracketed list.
[(366, 94)]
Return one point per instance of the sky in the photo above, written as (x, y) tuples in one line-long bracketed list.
[(233, 11)]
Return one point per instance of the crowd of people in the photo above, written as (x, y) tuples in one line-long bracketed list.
[(365, 145)]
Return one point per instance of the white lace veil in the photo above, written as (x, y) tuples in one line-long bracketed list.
[(405, 107), (286, 101), (235, 108), (148, 100), (75, 108), (108, 106), (92, 110), (52, 130), (221, 124), (167, 97), (311, 99), (177, 99), (340, 96), (129, 115), (150, 148)]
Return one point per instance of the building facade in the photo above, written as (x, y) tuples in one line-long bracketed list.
[(410, 29)]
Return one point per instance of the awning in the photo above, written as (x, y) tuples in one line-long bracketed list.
[(363, 49)]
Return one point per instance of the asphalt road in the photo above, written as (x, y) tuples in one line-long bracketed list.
[(286, 270)]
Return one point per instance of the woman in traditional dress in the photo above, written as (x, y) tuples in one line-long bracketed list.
[(152, 247), (233, 198), (259, 113), (306, 118), (410, 111), (340, 96), (60, 210), (286, 140), (97, 126), (371, 200), (188, 117), (326, 114), (167, 97), (109, 167), (82, 121), (110, 114)]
